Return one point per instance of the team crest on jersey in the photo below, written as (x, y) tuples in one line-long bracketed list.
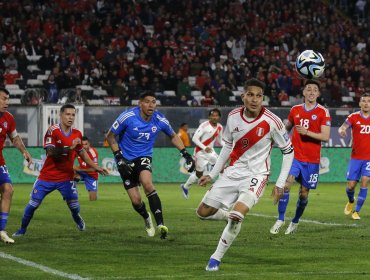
[(154, 129), (5, 124), (314, 117), (115, 125), (260, 131), (127, 182)]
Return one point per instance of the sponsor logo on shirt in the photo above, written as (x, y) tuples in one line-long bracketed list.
[(136, 128)]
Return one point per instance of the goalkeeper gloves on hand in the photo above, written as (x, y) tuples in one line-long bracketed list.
[(190, 163), (123, 166)]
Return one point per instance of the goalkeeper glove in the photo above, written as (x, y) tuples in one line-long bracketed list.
[(123, 166), (190, 163)]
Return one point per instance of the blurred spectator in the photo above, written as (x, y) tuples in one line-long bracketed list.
[(184, 89), (283, 96), (223, 95), (119, 90), (207, 99), (11, 62), (52, 90), (46, 62)]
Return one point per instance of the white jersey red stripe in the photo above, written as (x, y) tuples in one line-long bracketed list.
[(253, 143), (206, 136)]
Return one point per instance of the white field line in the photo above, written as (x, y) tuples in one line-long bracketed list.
[(42, 267), (307, 221)]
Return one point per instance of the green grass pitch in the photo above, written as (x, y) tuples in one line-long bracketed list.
[(328, 244)]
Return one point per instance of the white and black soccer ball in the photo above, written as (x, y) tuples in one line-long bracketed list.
[(310, 64)]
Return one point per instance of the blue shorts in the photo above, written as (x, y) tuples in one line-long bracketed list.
[(91, 184), (67, 189), (305, 173), (4, 175), (358, 168)]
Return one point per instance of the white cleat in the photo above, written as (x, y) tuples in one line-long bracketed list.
[(277, 226), (292, 228), (149, 227), (5, 238)]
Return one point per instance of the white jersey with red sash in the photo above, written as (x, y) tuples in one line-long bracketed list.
[(252, 142)]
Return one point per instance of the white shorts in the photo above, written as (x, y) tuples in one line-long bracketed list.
[(225, 191), (203, 158)]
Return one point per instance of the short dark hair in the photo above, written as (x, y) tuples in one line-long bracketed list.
[(67, 106), (5, 90), (183, 124), (255, 82), (215, 110), (84, 138), (147, 93), (366, 94), (312, 82)]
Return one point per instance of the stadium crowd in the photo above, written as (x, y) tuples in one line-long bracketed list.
[(210, 47)]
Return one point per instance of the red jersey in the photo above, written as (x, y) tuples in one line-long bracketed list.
[(307, 149), (59, 169), (7, 127), (360, 135), (93, 154)]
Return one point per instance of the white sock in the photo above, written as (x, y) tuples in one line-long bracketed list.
[(230, 232), (220, 215), (191, 180)]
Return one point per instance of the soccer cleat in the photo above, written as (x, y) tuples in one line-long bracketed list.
[(149, 227), (356, 216), (19, 232), (81, 223), (5, 238), (292, 228), (185, 191), (277, 226), (348, 209), (163, 230), (213, 265)]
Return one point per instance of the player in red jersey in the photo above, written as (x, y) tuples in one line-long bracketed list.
[(7, 128), (85, 173), (359, 165), (61, 142), (311, 123)]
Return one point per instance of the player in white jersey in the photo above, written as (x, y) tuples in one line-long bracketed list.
[(249, 135), (204, 139)]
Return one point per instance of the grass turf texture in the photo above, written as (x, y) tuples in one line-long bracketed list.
[(115, 245)]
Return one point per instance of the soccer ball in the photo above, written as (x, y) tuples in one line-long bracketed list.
[(310, 64)]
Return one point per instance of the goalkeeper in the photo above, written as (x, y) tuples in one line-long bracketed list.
[(131, 139)]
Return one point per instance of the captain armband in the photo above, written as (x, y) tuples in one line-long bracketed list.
[(287, 150)]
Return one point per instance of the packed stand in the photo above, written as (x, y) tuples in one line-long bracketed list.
[(191, 53)]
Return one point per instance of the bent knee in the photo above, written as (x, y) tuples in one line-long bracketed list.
[(7, 190), (205, 211)]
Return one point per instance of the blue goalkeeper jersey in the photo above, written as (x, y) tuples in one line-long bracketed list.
[(136, 137)]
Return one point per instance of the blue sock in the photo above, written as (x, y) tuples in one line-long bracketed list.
[(3, 220), (283, 203), (351, 195), (361, 198), (30, 209), (301, 205), (74, 206)]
